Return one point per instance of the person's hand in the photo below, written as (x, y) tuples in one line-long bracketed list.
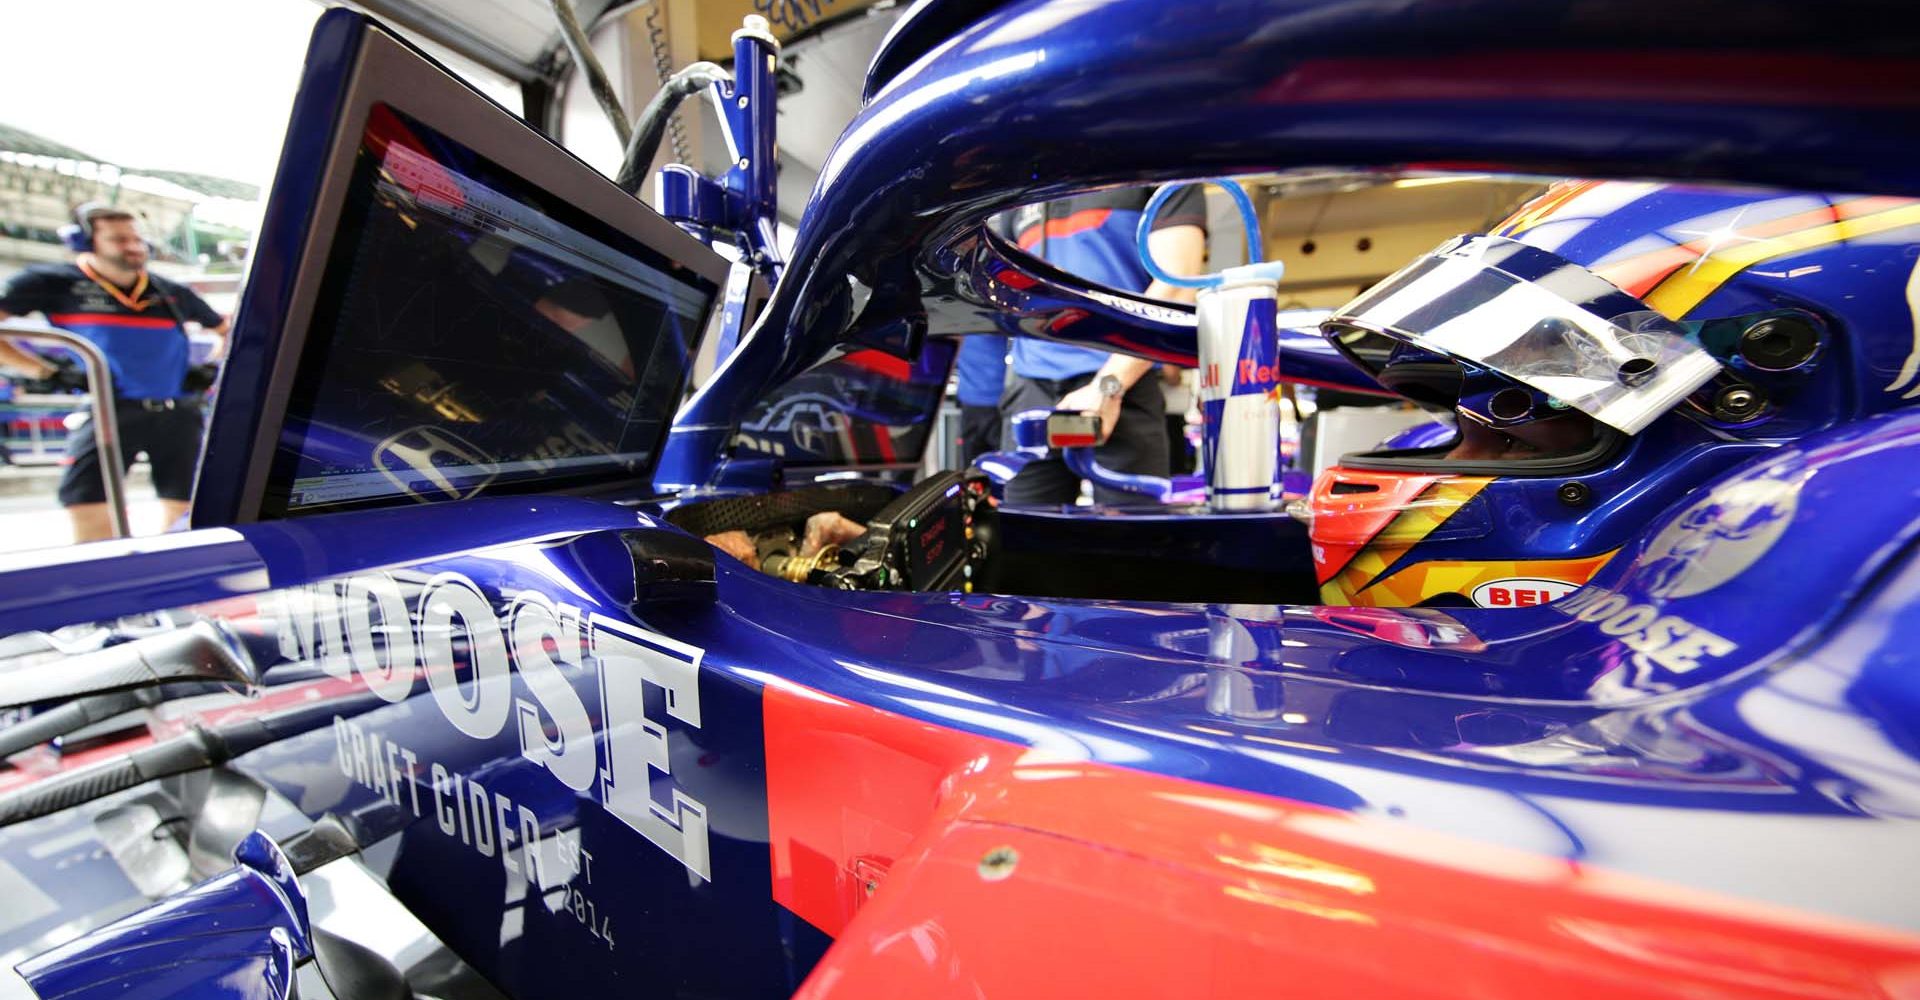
[(64, 375), (829, 528), (38, 371), (1088, 398), (737, 545)]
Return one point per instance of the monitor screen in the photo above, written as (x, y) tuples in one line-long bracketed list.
[(474, 333)]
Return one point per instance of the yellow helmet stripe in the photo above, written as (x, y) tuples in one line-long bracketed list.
[(1690, 286)]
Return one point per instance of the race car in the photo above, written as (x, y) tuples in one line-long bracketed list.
[(496, 665)]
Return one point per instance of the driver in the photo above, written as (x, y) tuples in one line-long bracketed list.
[(1607, 350)]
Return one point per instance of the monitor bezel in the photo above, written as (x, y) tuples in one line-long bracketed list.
[(384, 69)]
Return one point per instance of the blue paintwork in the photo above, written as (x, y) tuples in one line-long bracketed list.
[(1385, 711), (1085, 465), (897, 190), (927, 24), (1029, 429), (236, 936), (860, 410), (1529, 728), (751, 181), (743, 201), (1432, 434), (110, 579)]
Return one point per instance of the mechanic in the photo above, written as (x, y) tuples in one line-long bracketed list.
[(1177, 385), (137, 319), (1092, 236), (981, 377)]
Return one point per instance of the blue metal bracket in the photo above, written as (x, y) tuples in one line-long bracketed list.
[(743, 201)]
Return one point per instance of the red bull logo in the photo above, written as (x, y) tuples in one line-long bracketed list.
[(1257, 371), (1240, 375)]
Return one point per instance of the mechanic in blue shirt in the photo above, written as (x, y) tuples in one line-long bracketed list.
[(1092, 236), (980, 377), (137, 319)]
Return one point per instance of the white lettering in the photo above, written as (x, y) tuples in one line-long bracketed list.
[(470, 655), (1666, 641), (413, 785), (460, 804), (480, 805), (533, 848), (1684, 653), (361, 771), (450, 596), (343, 744), (442, 811), (390, 676), (1633, 619), (637, 745), (569, 753), (503, 814), (1600, 607)]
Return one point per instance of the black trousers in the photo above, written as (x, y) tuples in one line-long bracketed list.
[(1138, 444), (979, 432), (1179, 451), (170, 437)]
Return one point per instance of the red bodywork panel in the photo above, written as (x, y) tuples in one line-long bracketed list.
[(953, 865)]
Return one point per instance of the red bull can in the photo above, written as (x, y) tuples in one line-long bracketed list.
[(1239, 361)]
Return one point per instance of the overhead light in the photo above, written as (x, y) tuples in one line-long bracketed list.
[(1414, 182)]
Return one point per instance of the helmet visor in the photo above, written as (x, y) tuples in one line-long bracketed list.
[(1539, 319)]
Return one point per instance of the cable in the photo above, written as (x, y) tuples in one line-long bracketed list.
[(663, 71), (582, 51), (1249, 220), (655, 118)]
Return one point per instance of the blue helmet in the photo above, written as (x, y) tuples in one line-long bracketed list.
[(1606, 350)]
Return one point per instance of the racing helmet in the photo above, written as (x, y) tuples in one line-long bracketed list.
[(1606, 350)]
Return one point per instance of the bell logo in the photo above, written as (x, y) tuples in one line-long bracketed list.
[(1520, 592)]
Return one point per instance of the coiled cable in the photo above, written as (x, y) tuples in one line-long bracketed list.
[(663, 71)]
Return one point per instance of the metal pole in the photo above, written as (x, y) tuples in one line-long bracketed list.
[(106, 423)]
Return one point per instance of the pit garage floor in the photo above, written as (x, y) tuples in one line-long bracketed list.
[(31, 518)]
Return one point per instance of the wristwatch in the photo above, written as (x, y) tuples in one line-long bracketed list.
[(1110, 387)]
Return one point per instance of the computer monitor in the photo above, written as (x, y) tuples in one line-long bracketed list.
[(444, 304)]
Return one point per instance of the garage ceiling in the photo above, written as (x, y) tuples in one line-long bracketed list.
[(830, 65), (519, 38), (1339, 232), (514, 37)]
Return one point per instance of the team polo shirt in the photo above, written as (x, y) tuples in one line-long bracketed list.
[(980, 373), (1092, 236), (138, 330)]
